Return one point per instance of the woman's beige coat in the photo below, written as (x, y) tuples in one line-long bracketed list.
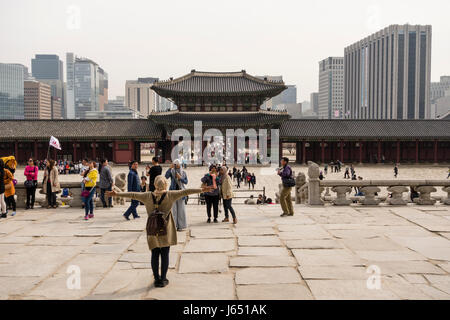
[(170, 239), (53, 179)]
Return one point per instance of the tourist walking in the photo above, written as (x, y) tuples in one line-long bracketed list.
[(160, 244), (106, 182), (212, 197), (90, 182), (133, 186), (227, 194), (395, 171), (2, 190), (31, 182), (50, 184), (285, 172), (253, 180), (178, 180), (347, 173), (238, 179), (153, 172)]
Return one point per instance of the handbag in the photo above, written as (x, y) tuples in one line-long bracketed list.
[(28, 184), (156, 224), (289, 182), (85, 193)]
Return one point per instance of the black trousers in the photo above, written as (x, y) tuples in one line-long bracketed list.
[(31, 196), (164, 253), (212, 201), (102, 197), (51, 196), (227, 206), (11, 203)]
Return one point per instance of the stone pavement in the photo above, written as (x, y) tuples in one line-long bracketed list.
[(320, 253)]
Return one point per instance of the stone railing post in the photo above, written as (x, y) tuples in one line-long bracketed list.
[(76, 200), (341, 198), (446, 200), (397, 195), (369, 195), (21, 194), (314, 184), (425, 195)]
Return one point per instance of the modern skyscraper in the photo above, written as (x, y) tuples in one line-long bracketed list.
[(37, 100), (314, 100), (331, 88), (387, 74), (87, 86), (56, 108), (11, 91), (141, 98), (48, 68)]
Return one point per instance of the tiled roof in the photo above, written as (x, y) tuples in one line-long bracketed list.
[(220, 119), (214, 83), (370, 129), (79, 129)]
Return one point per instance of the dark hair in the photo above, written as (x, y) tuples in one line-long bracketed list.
[(51, 163), (2, 164), (103, 161), (285, 159), (131, 163), (144, 177), (155, 159), (86, 159)]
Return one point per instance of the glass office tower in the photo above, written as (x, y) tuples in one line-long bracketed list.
[(11, 91)]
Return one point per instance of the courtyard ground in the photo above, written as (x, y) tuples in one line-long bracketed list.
[(320, 253), (354, 252)]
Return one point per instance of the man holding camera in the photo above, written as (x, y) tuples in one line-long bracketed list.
[(285, 172)]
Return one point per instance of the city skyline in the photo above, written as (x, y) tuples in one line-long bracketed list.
[(163, 40)]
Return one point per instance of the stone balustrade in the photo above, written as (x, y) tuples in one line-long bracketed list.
[(397, 188), (74, 201), (311, 191)]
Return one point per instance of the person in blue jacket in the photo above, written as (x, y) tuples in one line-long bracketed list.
[(133, 186)]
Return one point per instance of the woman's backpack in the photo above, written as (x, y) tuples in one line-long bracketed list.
[(156, 224)]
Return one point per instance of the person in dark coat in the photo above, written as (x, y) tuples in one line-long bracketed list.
[(133, 186), (212, 197), (153, 172)]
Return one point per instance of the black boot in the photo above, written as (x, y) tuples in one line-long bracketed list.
[(3, 215), (158, 283)]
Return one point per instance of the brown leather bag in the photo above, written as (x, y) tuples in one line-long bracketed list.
[(156, 224)]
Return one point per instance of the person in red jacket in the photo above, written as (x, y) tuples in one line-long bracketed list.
[(31, 174)]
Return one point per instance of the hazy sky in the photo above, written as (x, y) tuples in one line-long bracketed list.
[(139, 38)]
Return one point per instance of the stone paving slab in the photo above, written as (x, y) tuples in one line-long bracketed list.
[(259, 241), (203, 263), (263, 261), (262, 251), (204, 233), (267, 276), (210, 245), (273, 292), (347, 290), (331, 247), (326, 257), (333, 272), (314, 244), (195, 287)]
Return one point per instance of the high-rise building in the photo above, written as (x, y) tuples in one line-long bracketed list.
[(37, 100), (331, 88), (285, 100), (87, 86), (314, 102), (438, 89), (56, 108), (141, 98), (11, 91), (387, 74), (48, 68)]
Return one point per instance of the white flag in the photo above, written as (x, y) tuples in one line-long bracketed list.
[(55, 143)]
